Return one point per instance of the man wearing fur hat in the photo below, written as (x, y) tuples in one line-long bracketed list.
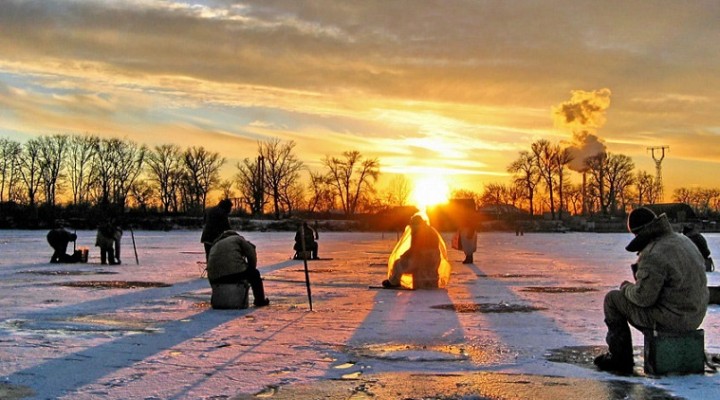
[(669, 293)]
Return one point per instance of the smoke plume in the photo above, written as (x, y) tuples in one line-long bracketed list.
[(583, 115)]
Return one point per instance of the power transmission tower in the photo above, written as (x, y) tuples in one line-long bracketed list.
[(658, 167)]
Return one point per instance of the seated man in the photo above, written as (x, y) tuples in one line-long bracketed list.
[(310, 236), (232, 259), (58, 239), (669, 294), (419, 259)]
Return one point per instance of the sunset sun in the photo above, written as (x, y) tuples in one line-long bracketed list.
[(430, 191)]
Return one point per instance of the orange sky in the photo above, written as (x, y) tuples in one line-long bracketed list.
[(441, 86)]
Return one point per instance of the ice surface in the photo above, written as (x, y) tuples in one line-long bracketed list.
[(89, 341)]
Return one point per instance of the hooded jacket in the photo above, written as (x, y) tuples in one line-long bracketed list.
[(670, 278), (230, 254)]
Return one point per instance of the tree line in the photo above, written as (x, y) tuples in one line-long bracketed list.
[(88, 171), (610, 185)]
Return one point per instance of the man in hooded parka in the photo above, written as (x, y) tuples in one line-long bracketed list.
[(422, 259), (233, 259), (669, 294)]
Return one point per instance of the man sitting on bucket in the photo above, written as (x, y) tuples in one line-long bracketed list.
[(669, 294), (232, 259), (419, 259)]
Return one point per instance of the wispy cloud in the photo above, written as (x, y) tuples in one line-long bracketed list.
[(456, 85)]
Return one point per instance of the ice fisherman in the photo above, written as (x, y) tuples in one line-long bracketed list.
[(669, 294), (233, 259), (216, 222), (108, 239), (310, 236), (691, 232), (419, 259), (58, 238), (468, 240)]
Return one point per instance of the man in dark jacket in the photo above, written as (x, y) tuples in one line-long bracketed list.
[(233, 259), (216, 222), (58, 239), (669, 294), (309, 236), (691, 232)]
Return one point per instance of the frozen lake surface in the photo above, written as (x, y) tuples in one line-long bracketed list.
[(529, 307)]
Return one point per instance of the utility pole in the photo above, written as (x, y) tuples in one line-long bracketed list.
[(658, 167)]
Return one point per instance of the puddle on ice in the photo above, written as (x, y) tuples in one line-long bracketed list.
[(511, 276), (583, 356), (414, 353), (488, 308), (70, 272), (465, 386), (555, 289), (314, 270), (87, 324), (115, 284)]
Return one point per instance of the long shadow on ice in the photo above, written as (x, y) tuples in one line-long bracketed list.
[(61, 376)]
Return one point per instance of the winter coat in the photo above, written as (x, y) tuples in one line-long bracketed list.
[(700, 242), (468, 239), (309, 235), (60, 237), (231, 254), (216, 222), (670, 278), (107, 235)]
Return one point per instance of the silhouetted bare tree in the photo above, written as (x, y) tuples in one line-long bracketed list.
[(282, 170), (80, 163), (249, 180), (52, 161), (349, 175), (10, 153), (31, 170), (526, 175), (165, 167), (202, 168)]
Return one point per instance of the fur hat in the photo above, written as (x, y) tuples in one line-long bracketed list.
[(639, 218)]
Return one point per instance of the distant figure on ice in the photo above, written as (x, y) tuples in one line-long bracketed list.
[(419, 259), (669, 294), (233, 259), (468, 240), (216, 222), (699, 240), (311, 245), (108, 239), (58, 239)]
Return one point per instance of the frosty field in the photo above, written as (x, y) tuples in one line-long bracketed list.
[(523, 321)]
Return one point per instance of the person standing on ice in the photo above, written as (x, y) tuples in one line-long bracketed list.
[(669, 294), (468, 240), (216, 222), (108, 240), (691, 232), (233, 259), (419, 260)]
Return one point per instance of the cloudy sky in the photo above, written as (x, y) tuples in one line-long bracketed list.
[(456, 87)]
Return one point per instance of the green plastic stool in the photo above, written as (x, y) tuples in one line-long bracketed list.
[(674, 353)]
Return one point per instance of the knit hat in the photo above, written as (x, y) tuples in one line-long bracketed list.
[(639, 218)]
